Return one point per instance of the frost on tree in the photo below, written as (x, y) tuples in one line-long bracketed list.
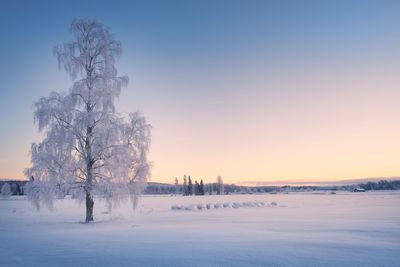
[(220, 186), (89, 149), (6, 190)]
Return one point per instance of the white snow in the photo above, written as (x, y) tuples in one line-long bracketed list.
[(302, 229)]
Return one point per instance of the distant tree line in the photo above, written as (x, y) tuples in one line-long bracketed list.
[(14, 187), (381, 185), (198, 189), (189, 188)]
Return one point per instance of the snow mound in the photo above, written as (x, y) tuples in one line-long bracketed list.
[(176, 207), (201, 206), (225, 205), (236, 205), (217, 205), (189, 207)]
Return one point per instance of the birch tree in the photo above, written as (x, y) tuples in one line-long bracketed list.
[(89, 149), (6, 190)]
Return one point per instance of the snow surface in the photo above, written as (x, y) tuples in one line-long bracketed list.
[(302, 229)]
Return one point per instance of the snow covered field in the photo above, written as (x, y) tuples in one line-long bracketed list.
[(303, 229)]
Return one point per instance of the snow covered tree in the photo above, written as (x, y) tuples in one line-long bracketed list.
[(16, 189), (201, 187), (220, 186), (89, 149), (190, 187), (176, 186), (210, 190), (196, 188), (185, 190), (6, 190)]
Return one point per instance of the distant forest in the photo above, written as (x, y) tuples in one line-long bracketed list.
[(17, 188), (212, 188)]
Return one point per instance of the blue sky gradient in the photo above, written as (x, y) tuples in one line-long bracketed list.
[(250, 90)]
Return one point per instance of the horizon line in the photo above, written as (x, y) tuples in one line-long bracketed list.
[(280, 183)]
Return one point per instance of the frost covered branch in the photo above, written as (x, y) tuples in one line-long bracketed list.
[(89, 149)]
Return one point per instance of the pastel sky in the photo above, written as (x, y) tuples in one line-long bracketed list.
[(249, 90)]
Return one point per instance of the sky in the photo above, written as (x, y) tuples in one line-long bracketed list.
[(249, 90)]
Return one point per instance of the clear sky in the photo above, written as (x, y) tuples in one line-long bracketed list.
[(249, 90)]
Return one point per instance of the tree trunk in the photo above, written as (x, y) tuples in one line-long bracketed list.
[(89, 207)]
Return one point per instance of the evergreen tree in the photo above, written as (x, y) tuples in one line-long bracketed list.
[(190, 187), (196, 188), (220, 186), (185, 188), (201, 188), (176, 186)]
